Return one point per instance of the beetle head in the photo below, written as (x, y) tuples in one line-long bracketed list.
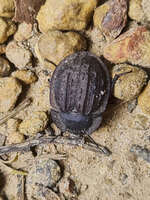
[(75, 122)]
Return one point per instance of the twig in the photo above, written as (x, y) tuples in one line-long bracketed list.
[(25, 103), (20, 187), (55, 140)]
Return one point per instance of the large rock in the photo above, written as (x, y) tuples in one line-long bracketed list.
[(133, 46), (65, 15)]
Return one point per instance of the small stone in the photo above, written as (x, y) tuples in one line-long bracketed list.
[(7, 28), (129, 85), (19, 56), (7, 8), (26, 10), (10, 89), (24, 32), (55, 46), (34, 124), (15, 137), (140, 151), (4, 67), (44, 172), (135, 10), (132, 105), (25, 76), (12, 124), (111, 18), (65, 15), (132, 46), (144, 99)]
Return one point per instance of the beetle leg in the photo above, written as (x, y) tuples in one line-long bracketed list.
[(116, 77), (102, 148)]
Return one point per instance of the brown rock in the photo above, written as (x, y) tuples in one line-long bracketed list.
[(19, 56), (55, 46), (34, 124), (4, 67), (111, 17), (133, 46), (10, 89), (7, 8), (128, 86), (65, 15), (24, 32), (7, 28), (25, 76), (26, 10), (144, 99)]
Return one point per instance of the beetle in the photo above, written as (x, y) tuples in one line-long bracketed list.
[(79, 93)]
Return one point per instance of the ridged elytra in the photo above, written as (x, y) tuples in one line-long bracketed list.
[(79, 93)]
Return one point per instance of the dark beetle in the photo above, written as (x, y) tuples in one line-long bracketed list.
[(80, 89)]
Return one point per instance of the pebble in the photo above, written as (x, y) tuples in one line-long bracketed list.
[(111, 18), (14, 136), (141, 152), (44, 172), (12, 124), (7, 8), (56, 45), (26, 76), (35, 123), (132, 46), (65, 15), (139, 14), (7, 27), (10, 90), (129, 85), (144, 99), (4, 67), (24, 32), (19, 56)]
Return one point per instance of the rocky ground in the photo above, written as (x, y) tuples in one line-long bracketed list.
[(31, 45)]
